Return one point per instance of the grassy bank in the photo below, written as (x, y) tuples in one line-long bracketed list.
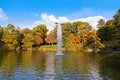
[(46, 48)]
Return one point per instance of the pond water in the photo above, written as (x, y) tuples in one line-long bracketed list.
[(28, 65)]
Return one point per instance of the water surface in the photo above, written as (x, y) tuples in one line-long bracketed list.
[(28, 65)]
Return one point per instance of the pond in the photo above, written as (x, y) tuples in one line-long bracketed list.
[(37, 65)]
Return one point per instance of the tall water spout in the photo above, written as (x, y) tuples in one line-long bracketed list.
[(59, 40)]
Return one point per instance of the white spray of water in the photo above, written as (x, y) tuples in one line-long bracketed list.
[(59, 40)]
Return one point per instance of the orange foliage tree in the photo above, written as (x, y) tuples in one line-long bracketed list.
[(38, 40), (51, 38)]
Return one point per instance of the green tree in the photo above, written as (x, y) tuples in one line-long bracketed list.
[(66, 31), (104, 33), (101, 23), (28, 41), (94, 41), (117, 24), (10, 37), (78, 31), (41, 30), (110, 33), (24, 31)]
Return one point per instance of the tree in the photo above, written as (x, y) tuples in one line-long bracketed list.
[(1, 34), (40, 30), (117, 24), (51, 38), (94, 41), (101, 23), (10, 37), (28, 41), (24, 31), (104, 33), (66, 31), (73, 43), (38, 40)]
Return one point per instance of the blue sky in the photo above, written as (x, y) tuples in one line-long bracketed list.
[(26, 13)]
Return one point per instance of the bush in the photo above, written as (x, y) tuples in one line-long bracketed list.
[(8, 47)]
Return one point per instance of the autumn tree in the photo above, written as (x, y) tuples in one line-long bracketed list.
[(73, 43), (27, 38), (28, 41), (10, 37), (38, 40), (110, 33), (51, 37), (94, 41), (41, 30)]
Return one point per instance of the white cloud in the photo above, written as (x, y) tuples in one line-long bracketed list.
[(2, 15), (50, 20), (38, 22), (93, 21)]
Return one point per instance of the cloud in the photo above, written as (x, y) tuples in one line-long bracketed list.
[(38, 22), (93, 21), (2, 15), (50, 20)]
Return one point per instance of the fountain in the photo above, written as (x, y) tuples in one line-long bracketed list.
[(59, 39)]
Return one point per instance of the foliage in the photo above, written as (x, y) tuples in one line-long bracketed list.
[(51, 37), (41, 30), (10, 37), (28, 40), (110, 32), (104, 33), (38, 40), (94, 41), (101, 23), (73, 42), (1, 34), (75, 35)]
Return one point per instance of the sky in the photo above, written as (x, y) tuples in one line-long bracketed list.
[(29, 13)]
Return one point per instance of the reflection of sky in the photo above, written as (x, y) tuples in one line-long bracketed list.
[(50, 70)]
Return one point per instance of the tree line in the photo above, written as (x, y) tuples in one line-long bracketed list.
[(75, 35), (109, 32)]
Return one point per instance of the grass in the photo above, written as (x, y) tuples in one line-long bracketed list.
[(48, 47)]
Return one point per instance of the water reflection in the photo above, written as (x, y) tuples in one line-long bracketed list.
[(8, 65), (47, 66), (50, 67), (110, 66), (59, 67)]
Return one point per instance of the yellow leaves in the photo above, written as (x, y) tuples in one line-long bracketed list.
[(73, 43)]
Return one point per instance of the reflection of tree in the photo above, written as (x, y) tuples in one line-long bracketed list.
[(110, 67), (93, 60), (75, 63), (8, 64), (26, 60), (39, 62)]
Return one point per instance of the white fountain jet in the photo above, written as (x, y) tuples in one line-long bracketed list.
[(59, 39)]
